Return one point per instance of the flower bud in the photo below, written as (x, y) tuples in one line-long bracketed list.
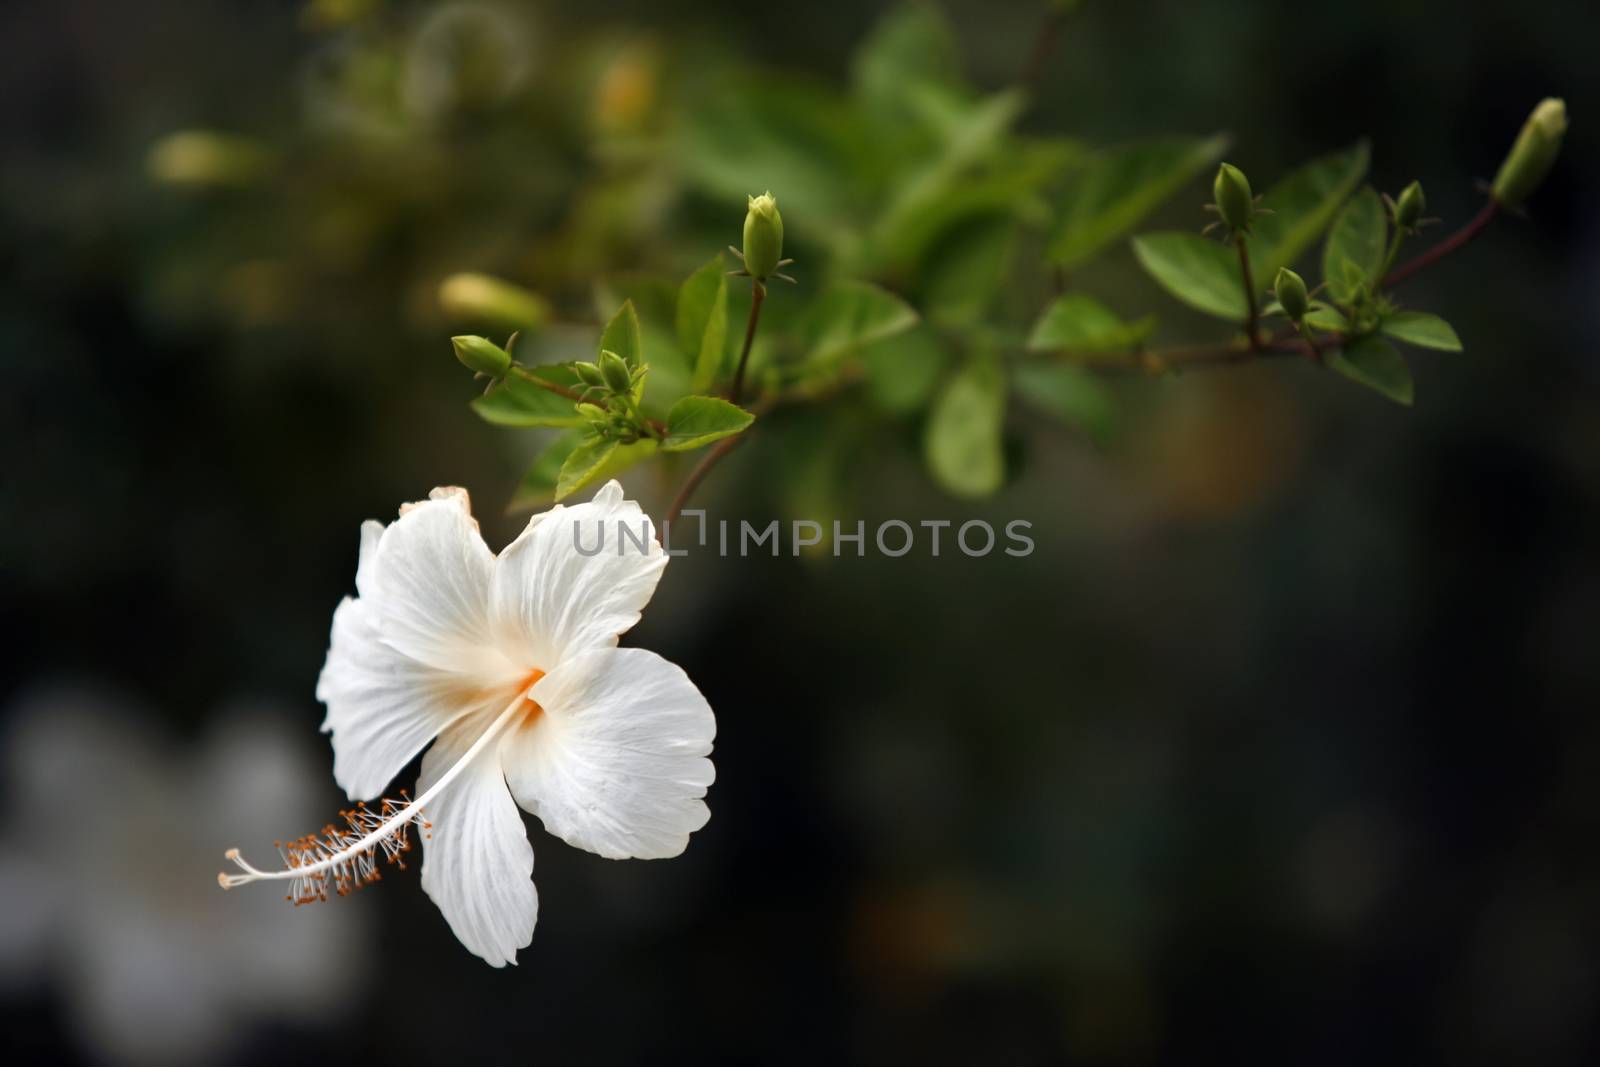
[(593, 412), (482, 355), (589, 374), (1531, 158), (482, 298), (1290, 289), (206, 158), (763, 236), (1409, 208), (614, 369), (1235, 202)]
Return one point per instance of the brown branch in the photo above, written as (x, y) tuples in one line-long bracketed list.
[(1445, 247)]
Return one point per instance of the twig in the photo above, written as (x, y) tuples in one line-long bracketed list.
[(1445, 247), (560, 390), (1252, 318), (657, 427), (758, 293), (696, 476), (760, 409), (1044, 43)]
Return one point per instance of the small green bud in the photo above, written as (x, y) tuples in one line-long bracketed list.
[(593, 412), (479, 298), (589, 374), (482, 355), (614, 370), (1235, 202), (1290, 289), (763, 236), (1535, 152), (1409, 208), (206, 158)]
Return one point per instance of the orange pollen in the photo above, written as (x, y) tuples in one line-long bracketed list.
[(530, 707)]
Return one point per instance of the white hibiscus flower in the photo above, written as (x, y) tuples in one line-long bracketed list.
[(510, 666)]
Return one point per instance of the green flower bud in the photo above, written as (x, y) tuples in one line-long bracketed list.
[(482, 355), (204, 158), (1235, 202), (614, 369), (589, 374), (482, 298), (763, 236), (1290, 289), (593, 412), (1535, 152), (1409, 208)]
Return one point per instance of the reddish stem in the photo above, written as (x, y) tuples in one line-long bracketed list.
[(1445, 247)]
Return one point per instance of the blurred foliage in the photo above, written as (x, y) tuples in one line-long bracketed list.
[(913, 196)]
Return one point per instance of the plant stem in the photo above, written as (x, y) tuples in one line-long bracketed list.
[(655, 426), (715, 455), (528, 376), (758, 293), (1251, 315), (1445, 247), (1311, 344), (696, 476), (1044, 43)]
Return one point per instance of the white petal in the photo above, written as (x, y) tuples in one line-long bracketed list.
[(429, 584), (383, 706), (549, 601), (617, 763), (477, 864), (366, 564)]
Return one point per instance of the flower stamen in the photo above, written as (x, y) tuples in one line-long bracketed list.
[(344, 860)]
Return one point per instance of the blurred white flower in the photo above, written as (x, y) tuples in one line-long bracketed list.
[(512, 664), (152, 966)]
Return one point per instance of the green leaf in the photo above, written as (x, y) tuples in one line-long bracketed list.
[(1119, 187), (1421, 329), (702, 322), (521, 403), (962, 441), (931, 195), (903, 370), (1302, 206), (583, 465), (1359, 236), (696, 421), (849, 315), (1201, 273), (1374, 363), (1079, 323), (1325, 317), (1071, 394), (538, 485), (967, 269), (909, 236), (792, 137), (596, 459), (622, 334), (910, 46)]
